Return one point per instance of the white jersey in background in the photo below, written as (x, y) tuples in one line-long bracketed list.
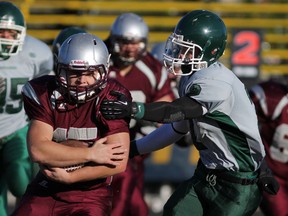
[(34, 60)]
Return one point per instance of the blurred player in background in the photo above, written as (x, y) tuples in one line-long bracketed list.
[(21, 58), (61, 37), (157, 51), (271, 102), (135, 68), (65, 109)]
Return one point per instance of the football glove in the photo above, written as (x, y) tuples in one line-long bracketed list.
[(121, 107), (266, 181)]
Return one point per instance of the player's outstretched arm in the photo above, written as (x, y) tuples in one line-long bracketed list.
[(159, 138), (162, 112)]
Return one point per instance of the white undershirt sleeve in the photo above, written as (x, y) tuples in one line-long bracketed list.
[(163, 136)]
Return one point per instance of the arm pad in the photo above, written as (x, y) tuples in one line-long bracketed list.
[(167, 112), (162, 137)]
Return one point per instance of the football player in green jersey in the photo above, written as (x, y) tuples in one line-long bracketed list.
[(215, 108), (21, 58)]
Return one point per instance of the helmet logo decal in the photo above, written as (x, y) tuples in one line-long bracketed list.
[(7, 22), (77, 64), (194, 90), (213, 52)]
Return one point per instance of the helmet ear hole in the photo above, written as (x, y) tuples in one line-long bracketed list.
[(221, 50), (142, 45), (116, 48)]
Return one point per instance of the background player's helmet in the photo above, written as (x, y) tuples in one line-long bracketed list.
[(198, 40), (61, 37), (11, 18), (158, 50), (80, 53), (128, 27)]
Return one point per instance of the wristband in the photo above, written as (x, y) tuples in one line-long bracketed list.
[(133, 149), (139, 114)]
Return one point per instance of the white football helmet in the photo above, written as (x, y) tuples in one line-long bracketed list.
[(80, 53), (128, 28)]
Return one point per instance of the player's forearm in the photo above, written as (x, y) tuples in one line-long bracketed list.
[(167, 112), (96, 171), (57, 155), (89, 173), (43, 150)]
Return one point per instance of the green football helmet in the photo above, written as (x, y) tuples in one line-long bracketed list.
[(11, 18), (63, 35), (198, 40)]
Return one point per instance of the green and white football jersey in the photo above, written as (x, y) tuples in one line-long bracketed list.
[(34, 60), (227, 136)]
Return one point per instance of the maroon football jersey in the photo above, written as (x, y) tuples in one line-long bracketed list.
[(271, 103), (80, 122), (147, 81)]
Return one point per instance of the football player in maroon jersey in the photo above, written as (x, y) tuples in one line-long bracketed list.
[(65, 109), (271, 103), (135, 68)]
